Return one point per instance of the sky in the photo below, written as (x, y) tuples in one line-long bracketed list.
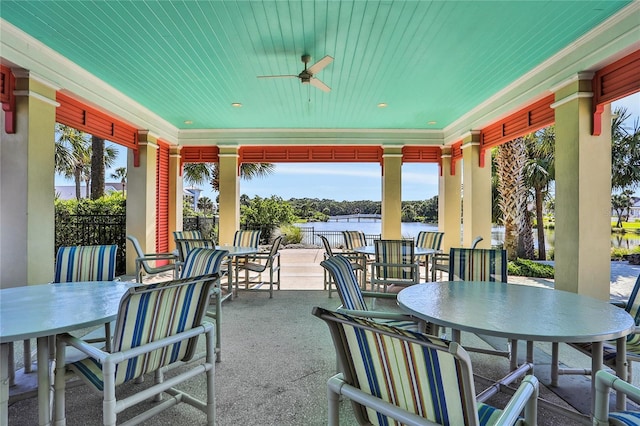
[(343, 181)]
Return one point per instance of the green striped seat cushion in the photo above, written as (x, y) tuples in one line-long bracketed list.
[(85, 263), (418, 379), (624, 418), (477, 265), (147, 316), (431, 240), (394, 252), (346, 282), (246, 239), (203, 261), (353, 239)]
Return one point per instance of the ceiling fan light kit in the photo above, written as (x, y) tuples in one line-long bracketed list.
[(306, 76)]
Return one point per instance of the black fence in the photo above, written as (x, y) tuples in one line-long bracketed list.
[(335, 238), (91, 230)]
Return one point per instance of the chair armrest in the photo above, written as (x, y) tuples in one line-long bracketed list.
[(156, 256), (619, 304), (378, 314), (83, 346), (525, 398), (378, 294)]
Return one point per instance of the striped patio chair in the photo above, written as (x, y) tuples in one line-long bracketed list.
[(477, 265), (185, 245), (605, 381), (394, 264), (471, 264), (340, 268), (353, 239), (157, 326), (206, 261), (260, 263), (85, 263), (88, 263), (440, 261), (430, 240), (395, 376), (187, 235), (244, 238), (328, 252)]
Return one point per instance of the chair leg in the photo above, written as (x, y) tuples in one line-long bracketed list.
[(59, 415), (334, 407)]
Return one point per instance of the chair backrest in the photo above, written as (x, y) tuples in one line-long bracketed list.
[(340, 269), (390, 254), (327, 245), (417, 373), (246, 238), (430, 240), (187, 235), (477, 265), (275, 247), (353, 239), (203, 261), (85, 263), (152, 312), (633, 304), (185, 245), (476, 241)]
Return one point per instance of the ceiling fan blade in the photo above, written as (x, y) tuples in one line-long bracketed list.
[(319, 84), (277, 76), (318, 66)]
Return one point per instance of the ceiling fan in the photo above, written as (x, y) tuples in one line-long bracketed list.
[(307, 74)]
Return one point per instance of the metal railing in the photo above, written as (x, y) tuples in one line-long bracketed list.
[(335, 238), (90, 230)]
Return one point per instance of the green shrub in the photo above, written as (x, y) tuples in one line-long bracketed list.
[(529, 268), (292, 234)]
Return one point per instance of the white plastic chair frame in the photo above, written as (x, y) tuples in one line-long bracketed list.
[(605, 382)]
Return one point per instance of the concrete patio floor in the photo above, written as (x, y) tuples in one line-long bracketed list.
[(276, 358)]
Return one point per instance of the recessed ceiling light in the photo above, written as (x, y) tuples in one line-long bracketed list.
[(188, 122), (382, 105), (236, 105), (432, 122)]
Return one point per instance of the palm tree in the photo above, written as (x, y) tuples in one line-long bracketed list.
[(625, 151), (121, 174), (510, 161), (199, 173), (205, 204), (72, 154), (539, 172)]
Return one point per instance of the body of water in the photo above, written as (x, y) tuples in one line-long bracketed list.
[(411, 230)]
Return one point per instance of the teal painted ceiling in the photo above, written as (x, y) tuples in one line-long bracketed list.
[(429, 61)]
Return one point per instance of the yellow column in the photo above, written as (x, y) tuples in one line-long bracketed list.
[(175, 194), (392, 193), (27, 225), (229, 204), (141, 190), (449, 206), (583, 193), (476, 192)]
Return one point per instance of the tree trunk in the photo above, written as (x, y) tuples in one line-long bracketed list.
[(509, 168), (76, 178), (542, 250), (97, 167)]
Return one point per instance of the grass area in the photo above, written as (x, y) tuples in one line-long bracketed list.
[(529, 268)]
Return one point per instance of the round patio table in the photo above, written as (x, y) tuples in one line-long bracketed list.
[(42, 311), (521, 312)]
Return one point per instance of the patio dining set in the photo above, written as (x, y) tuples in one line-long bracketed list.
[(410, 364)]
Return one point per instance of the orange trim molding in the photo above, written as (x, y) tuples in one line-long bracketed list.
[(529, 119), (77, 114), (8, 99), (311, 154), (613, 82), (456, 154)]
